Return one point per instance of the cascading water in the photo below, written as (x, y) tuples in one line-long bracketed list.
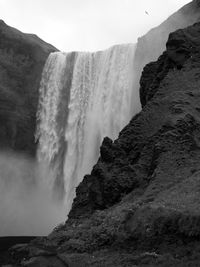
[(83, 98)]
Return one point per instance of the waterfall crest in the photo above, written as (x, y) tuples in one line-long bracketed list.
[(83, 98)]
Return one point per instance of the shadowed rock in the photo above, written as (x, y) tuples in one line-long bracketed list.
[(22, 57), (140, 204)]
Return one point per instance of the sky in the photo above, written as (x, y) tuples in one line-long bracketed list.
[(87, 25)]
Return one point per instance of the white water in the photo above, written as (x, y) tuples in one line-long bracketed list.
[(100, 105), (50, 88)]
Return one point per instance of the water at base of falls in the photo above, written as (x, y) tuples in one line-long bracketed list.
[(83, 98)]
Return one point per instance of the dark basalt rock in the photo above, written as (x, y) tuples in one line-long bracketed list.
[(153, 73), (181, 45), (22, 57), (147, 180), (140, 204), (151, 45)]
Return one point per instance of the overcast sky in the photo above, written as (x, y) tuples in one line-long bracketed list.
[(87, 25)]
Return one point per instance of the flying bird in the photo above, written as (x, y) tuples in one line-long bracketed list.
[(146, 12)]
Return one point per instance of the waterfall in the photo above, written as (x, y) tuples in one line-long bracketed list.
[(83, 98)]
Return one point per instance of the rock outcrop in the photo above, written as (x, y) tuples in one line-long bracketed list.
[(167, 125), (140, 204), (22, 57), (152, 45)]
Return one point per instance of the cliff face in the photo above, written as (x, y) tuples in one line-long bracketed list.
[(152, 45), (158, 142), (149, 47), (22, 57), (140, 204)]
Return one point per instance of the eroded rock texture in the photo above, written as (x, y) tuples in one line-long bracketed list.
[(140, 204), (165, 130), (22, 57), (151, 45)]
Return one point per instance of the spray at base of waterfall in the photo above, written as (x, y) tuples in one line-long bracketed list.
[(26, 203)]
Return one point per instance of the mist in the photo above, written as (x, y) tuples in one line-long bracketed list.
[(26, 203)]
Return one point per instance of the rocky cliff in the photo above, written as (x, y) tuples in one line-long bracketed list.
[(152, 45), (22, 57), (160, 146), (140, 204)]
